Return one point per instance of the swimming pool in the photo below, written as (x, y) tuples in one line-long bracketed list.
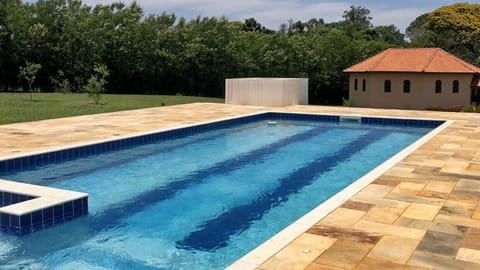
[(202, 198)]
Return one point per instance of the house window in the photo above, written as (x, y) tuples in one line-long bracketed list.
[(456, 86), (406, 86), (364, 85), (387, 86), (356, 84), (438, 86)]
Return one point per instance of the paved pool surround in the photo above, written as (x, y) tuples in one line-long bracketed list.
[(422, 213)]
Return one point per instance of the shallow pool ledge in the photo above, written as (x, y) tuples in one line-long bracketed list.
[(25, 208)]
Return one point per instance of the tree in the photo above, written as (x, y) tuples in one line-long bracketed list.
[(251, 25), (418, 35), (461, 20), (390, 34), (96, 84), (454, 28), (358, 17), (314, 23), (60, 83), (29, 74), (14, 22)]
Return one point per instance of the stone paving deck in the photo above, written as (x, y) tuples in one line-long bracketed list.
[(423, 213)]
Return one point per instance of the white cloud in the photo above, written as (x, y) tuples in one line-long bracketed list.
[(399, 17)]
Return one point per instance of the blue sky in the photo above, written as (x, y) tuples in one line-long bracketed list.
[(272, 13)]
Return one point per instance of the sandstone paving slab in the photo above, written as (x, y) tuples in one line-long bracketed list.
[(344, 254), (345, 234), (440, 243), (421, 211), (384, 214), (394, 249), (424, 259)]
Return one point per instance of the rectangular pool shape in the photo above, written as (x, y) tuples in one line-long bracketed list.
[(199, 197)]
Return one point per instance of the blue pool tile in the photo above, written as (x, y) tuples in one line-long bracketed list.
[(9, 165), (58, 213), (77, 207), (26, 220), (14, 221), (85, 205), (68, 209), (7, 198), (37, 218), (14, 198), (16, 164), (6, 221), (51, 157), (47, 216)]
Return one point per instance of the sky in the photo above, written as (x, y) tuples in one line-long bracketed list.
[(272, 13)]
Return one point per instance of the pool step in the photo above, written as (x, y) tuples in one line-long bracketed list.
[(25, 208)]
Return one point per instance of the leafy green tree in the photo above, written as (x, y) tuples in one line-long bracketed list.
[(390, 34), (455, 28), (314, 23), (251, 25), (29, 74), (60, 83), (418, 34), (358, 17), (14, 22), (461, 20), (96, 84)]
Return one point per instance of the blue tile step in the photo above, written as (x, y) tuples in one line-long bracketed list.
[(25, 208)]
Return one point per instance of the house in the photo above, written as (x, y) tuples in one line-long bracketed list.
[(414, 78)]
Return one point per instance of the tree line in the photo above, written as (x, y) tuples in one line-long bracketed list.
[(163, 54)]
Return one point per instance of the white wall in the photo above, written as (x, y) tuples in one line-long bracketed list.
[(274, 92), (422, 93)]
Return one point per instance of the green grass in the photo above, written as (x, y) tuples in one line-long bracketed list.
[(17, 107)]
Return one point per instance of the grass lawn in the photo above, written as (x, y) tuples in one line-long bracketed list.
[(17, 107)]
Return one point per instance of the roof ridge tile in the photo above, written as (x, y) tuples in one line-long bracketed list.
[(385, 54), (462, 62), (430, 59)]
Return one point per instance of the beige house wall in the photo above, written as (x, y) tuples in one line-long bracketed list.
[(266, 91), (422, 90)]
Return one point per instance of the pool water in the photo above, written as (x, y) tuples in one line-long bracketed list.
[(200, 201)]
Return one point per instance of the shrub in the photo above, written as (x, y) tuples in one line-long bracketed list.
[(347, 102), (29, 74), (96, 84), (60, 83)]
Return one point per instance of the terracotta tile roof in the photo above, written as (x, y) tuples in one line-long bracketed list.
[(430, 60)]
